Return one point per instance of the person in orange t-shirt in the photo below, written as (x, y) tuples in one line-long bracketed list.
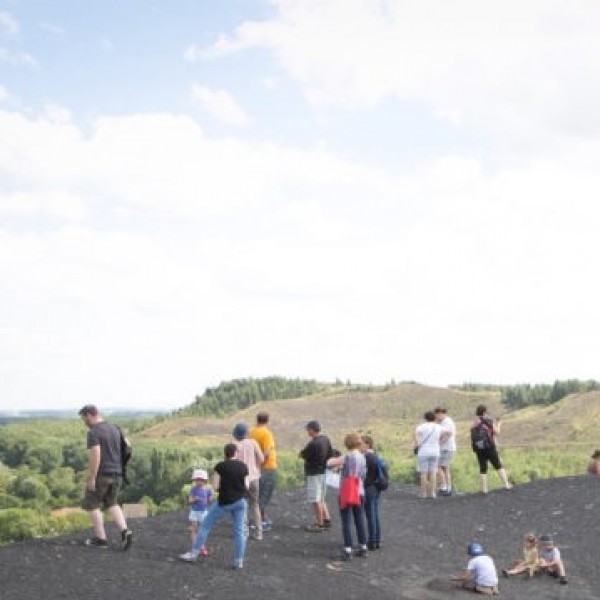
[(262, 435)]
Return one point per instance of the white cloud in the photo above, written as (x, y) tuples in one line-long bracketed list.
[(220, 105), (522, 72), (17, 58), (4, 95), (145, 260), (8, 23), (53, 29)]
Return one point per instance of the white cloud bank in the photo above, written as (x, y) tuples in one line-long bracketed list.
[(146, 260), (525, 72), (142, 260)]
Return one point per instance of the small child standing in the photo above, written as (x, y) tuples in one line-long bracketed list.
[(550, 561), (200, 498), (530, 562)]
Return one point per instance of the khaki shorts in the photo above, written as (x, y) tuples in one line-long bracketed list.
[(315, 488), (105, 494)]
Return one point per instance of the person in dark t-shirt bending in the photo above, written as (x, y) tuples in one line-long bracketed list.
[(230, 480)]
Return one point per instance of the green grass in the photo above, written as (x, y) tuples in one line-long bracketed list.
[(522, 467)]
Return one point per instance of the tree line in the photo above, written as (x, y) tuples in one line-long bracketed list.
[(237, 394), (525, 394)]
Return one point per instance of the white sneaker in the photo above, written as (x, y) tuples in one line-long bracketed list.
[(189, 556)]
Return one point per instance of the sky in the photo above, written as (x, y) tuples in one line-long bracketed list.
[(195, 191)]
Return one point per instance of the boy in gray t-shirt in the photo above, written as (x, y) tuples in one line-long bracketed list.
[(550, 560)]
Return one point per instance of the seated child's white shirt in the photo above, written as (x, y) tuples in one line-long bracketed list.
[(552, 555), (484, 571)]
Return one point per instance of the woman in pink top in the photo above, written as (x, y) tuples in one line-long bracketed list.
[(250, 454)]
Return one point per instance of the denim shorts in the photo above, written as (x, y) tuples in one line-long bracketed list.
[(197, 516)]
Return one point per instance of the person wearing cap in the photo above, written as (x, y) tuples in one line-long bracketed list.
[(104, 477), (550, 559), (230, 480), (250, 454), (315, 455), (594, 464), (263, 436), (480, 574), (199, 499)]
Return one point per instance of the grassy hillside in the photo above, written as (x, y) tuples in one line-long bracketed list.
[(557, 438), (388, 413), (391, 413)]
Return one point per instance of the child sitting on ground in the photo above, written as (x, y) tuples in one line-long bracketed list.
[(200, 498), (480, 574), (550, 561), (530, 561)]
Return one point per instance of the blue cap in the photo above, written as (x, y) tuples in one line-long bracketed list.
[(474, 549), (240, 431), (314, 425)]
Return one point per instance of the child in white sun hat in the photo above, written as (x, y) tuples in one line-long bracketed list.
[(199, 499)]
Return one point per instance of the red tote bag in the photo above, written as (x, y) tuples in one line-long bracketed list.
[(349, 495)]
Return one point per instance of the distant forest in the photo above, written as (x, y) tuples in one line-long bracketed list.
[(525, 394), (231, 396), (237, 394)]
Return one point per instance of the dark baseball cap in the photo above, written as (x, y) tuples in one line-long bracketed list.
[(88, 409), (314, 425)]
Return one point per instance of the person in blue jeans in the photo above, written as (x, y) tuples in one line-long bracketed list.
[(230, 481), (371, 493), (352, 464)]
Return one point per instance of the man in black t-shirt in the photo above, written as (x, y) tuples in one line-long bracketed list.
[(315, 455), (230, 480), (104, 477)]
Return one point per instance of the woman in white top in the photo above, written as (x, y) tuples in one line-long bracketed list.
[(427, 441)]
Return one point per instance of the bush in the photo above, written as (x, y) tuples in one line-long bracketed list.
[(8, 501), (21, 524)]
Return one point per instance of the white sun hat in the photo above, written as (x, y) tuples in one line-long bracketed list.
[(199, 474)]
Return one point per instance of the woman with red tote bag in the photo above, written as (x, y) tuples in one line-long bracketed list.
[(351, 495)]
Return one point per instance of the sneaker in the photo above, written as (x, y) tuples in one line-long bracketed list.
[(237, 565), (346, 555), (126, 539), (362, 552), (315, 528), (326, 524), (203, 551), (267, 525), (95, 542), (189, 556), (563, 580)]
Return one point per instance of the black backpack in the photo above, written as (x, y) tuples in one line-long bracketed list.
[(125, 455), (481, 436)]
